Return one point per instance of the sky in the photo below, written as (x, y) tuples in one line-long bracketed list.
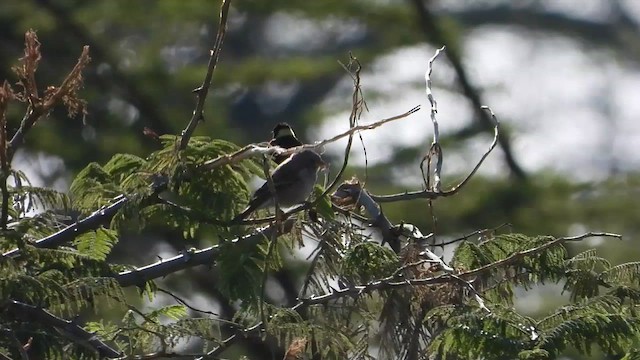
[(572, 108)]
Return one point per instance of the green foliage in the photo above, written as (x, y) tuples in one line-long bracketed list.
[(523, 269), (241, 271), (368, 261), (76, 278), (192, 196), (141, 332), (323, 205), (608, 320), (96, 244)]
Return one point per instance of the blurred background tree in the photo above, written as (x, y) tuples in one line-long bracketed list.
[(562, 77)]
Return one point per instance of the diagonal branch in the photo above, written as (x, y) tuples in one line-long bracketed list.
[(391, 282), (91, 222), (203, 90), (67, 328), (255, 150), (137, 277)]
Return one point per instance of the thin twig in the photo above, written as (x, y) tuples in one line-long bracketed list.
[(190, 307), (474, 233), (203, 90), (254, 150), (160, 355), (435, 145), (6, 95), (426, 193), (432, 29), (357, 104), (391, 283)]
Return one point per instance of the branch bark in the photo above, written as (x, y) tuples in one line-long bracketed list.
[(203, 90), (69, 329)]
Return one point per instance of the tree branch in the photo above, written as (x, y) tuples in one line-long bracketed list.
[(139, 276), (39, 107), (6, 96), (428, 194), (432, 30), (255, 150), (91, 222), (69, 329), (435, 145), (203, 90), (391, 282)]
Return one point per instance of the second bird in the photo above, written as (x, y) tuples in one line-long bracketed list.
[(284, 137), (293, 181)]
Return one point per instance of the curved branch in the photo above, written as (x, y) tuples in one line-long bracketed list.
[(430, 26), (428, 194)]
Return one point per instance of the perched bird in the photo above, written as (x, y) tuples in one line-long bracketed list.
[(284, 137), (293, 181)]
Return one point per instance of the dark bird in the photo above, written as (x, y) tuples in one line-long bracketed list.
[(293, 181), (284, 137)]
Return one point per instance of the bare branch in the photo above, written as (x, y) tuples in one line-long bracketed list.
[(203, 90), (69, 329), (91, 222), (433, 31), (435, 145), (357, 105), (139, 276), (160, 355), (428, 194), (6, 96), (254, 150)]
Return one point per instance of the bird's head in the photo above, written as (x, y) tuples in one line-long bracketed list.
[(283, 129)]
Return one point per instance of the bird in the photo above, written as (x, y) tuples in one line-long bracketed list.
[(293, 181), (284, 137)]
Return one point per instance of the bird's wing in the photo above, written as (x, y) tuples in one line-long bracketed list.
[(286, 174), (279, 182)]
